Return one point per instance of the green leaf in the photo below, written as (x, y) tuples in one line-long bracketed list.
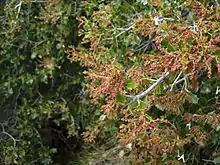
[(166, 44), (147, 160), (191, 41), (143, 103), (131, 84), (170, 48), (120, 99), (181, 44), (194, 98), (132, 106), (164, 25), (117, 4), (53, 150), (190, 18), (217, 53), (218, 128), (217, 160), (160, 107)]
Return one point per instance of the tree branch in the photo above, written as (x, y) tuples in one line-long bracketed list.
[(123, 30), (141, 95), (19, 8), (178, 81), (172, 85), (6, 133), (9, 135)]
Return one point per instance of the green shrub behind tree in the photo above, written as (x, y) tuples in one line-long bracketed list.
[(41, 91)]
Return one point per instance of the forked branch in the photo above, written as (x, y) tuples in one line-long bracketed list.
[(141, 95)]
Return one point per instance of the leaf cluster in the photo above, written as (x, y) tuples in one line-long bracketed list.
[(128, 48)]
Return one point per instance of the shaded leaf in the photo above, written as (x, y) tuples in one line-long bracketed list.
[(120, 99), (194, 98), (190, 18)]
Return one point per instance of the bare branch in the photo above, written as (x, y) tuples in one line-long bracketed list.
[(185, 85), (177, 82), (211, 161), (215, 3), (19, 8), (9, 135), (141, 95), (159, 20), (6, 133), (182, 79), (123, 30), (149, 79), (38, 1), (172, 86)]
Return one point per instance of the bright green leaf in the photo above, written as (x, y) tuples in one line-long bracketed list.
[(131, 84), (218, 128), (160, 107), (217, 53)]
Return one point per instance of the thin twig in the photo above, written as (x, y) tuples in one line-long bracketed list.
[(150, 79), (215, 2), (123, 30), (6, 133), (185, 85), (19, 8), (182, 79), (211, 161), (38, 1), (172, 85), (179, 81)]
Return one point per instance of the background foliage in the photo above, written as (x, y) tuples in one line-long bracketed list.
[(139, 80), (43, 105)]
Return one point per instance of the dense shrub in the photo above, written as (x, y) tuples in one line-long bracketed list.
[(153, 70), (41, 110), (139, 77)]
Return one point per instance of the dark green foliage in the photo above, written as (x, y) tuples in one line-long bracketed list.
[(46, 105), (41, 92)]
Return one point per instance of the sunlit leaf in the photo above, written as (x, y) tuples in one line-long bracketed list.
[(131, 84), (194, 98)]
